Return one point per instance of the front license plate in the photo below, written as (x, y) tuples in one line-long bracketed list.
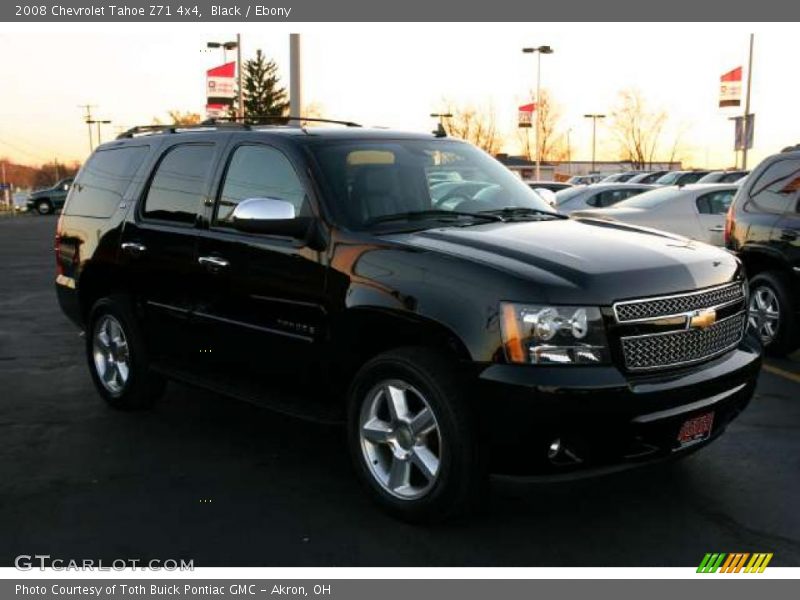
[(696, 429)]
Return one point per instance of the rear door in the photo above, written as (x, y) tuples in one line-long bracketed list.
[(711, 209), (261, 309), (159, 248), (786, 233)]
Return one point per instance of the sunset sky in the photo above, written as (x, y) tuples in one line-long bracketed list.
[(396, 74)]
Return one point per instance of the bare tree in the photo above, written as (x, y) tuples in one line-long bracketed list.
[(475, 124), (637, 127), (553, 139)]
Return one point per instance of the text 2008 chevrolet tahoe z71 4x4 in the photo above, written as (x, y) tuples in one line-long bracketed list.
[(409, 285)]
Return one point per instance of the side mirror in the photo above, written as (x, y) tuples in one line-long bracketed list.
[(548, 196), (274, 217)]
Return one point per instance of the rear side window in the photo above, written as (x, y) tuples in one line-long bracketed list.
[(777, 189), (260, 172), (716, 203), (179, 184), (103, 181)]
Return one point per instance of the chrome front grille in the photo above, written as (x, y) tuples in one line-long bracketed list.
[(684, 346), (652, 308)]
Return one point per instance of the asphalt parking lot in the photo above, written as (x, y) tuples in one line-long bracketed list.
[(224, 483)]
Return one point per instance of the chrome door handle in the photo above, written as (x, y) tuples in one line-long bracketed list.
[(719, 228), (214, 262), (133, 247)]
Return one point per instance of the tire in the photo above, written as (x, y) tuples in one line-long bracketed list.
[(43, 207), (113, 340), (772, 289), (426, 490)]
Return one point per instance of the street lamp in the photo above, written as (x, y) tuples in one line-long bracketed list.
[(594, 118), (440, 130), (237, 45), (538, 50), (98, 122)]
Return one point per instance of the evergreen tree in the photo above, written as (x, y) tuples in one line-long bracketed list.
[(263, 94)]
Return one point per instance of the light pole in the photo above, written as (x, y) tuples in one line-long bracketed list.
[(594, 118), (538, 50), (98, 122), (237, 45)]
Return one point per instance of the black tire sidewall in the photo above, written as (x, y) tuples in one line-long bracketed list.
[(786, 339), (458, 467)]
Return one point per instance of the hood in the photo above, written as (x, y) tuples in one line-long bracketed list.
[(584, 261)]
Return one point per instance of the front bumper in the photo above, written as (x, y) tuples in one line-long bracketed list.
[(604, 418)]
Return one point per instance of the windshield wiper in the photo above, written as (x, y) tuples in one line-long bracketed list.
[(421, 215), (518, 211)]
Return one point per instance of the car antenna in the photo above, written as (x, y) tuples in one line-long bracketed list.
[(440, 131)]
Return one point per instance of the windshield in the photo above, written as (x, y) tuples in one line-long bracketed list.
[(649, 199), (370, 180), (669, 178)]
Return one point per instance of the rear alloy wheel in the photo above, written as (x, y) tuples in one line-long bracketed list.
[(412, 436), (117, 356), (43, 207), (771, 313)]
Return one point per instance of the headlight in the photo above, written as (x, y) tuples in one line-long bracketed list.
[(553, 335)]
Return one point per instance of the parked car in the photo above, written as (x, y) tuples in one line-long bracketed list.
[(598, 195), (647, 177), (51, 199), (620, 177), (696, 211), (763, 228), (680, 177), (315, 274), (553, 186), (723, 177), (585, 179)]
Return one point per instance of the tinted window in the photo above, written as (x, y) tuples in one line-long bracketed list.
[(715, 203), (669, 178), (690, 177), (259, 172), (564, 196), (103, 181), (776, 190), (179, 183)]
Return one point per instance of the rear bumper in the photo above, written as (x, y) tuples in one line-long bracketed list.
[(68, 299), (605, 419)]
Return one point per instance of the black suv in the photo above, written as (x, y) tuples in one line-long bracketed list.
[(763, 228), (312, 270)]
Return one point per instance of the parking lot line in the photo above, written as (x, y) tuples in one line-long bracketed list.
[(782, 373)]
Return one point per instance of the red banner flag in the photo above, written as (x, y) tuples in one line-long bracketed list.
[(220, 89), (526, 114), (730, 88)]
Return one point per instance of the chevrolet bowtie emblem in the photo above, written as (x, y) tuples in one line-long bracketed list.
[(701, 319)]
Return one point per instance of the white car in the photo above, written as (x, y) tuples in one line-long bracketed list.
[(597, 195), (695, 211)]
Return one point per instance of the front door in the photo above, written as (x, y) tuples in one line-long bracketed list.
[(261, 309)]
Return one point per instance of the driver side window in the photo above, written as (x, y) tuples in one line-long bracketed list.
[(259, 172)]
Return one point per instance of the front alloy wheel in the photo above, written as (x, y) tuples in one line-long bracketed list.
[(413, 437), (400, 439), (764, 313)]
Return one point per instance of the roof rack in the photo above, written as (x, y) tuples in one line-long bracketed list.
[(282, 119), (247, 122)]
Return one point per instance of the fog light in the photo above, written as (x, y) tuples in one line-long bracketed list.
[(554, 449)]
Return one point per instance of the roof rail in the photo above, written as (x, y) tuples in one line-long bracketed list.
[(246, 122), (280, 119)]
